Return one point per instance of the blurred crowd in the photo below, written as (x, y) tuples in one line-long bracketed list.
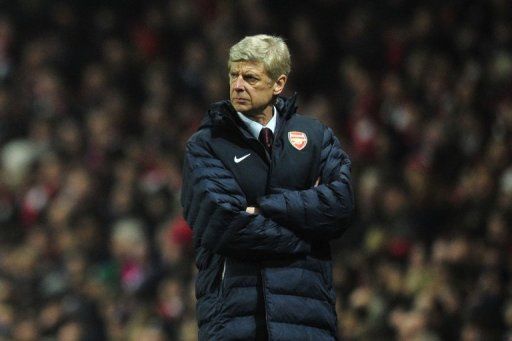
[(97, 100)]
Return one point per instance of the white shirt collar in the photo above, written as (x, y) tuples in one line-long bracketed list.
[(255, 127)]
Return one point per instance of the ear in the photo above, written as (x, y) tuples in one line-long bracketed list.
[(279, 84)]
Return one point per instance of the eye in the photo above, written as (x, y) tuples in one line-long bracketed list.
[(251, 79)]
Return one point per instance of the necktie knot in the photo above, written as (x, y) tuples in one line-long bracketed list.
[(266, 138)]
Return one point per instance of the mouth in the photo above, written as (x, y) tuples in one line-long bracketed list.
[(241, 100)]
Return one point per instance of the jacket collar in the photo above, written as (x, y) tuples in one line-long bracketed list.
[(287, 107), (222, 111)]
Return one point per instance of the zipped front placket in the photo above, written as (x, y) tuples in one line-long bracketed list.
[(277, 137), (267, 190), (265, 298), (223, 271), (269, 158)]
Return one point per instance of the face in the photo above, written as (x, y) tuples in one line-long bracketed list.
[(251, 89)]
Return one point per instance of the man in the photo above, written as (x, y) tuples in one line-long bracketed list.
[(265, 190)]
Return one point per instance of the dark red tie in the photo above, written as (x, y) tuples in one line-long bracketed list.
[(266, 137)]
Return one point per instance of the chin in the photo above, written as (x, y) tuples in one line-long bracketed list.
[(241, 108)]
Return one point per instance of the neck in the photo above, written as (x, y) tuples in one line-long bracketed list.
[(262, 117)]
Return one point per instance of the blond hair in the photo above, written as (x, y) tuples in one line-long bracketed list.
[(272, 51)]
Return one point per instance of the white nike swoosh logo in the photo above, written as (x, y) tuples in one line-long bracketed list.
[(240, 159)]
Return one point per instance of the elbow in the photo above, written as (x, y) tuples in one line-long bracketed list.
[(349, 202), (345, 200), (346, 214), (343, 222)]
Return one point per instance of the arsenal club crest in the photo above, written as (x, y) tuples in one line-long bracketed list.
[(298, 139)]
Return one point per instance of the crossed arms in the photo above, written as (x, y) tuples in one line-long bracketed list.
[(285, 222)]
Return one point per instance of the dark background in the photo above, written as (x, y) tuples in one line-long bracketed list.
[(98, 98)]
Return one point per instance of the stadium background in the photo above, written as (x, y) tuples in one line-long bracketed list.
[(97, 99)]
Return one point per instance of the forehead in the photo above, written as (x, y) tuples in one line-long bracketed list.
[(248, 66)]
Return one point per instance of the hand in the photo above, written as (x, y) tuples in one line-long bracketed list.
[(252, 210)]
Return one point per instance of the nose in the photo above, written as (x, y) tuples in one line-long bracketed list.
[(239, 83)]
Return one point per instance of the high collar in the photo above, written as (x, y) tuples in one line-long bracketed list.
[(221, 111), (287, 106)]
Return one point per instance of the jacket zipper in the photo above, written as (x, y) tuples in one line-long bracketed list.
[(263, 277), (267, 187), (223, 271), (222, 276), (263, 290), (262, 271)]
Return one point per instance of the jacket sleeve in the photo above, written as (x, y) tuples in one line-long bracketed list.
[(214, 206), (323, 212)]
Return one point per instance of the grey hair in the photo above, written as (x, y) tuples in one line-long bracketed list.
[(272, 51)]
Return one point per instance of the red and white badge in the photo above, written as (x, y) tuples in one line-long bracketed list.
[(298, 139)]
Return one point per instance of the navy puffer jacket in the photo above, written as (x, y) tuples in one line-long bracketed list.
[(265, 276)]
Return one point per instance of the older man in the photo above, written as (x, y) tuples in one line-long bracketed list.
[(265, 189)]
